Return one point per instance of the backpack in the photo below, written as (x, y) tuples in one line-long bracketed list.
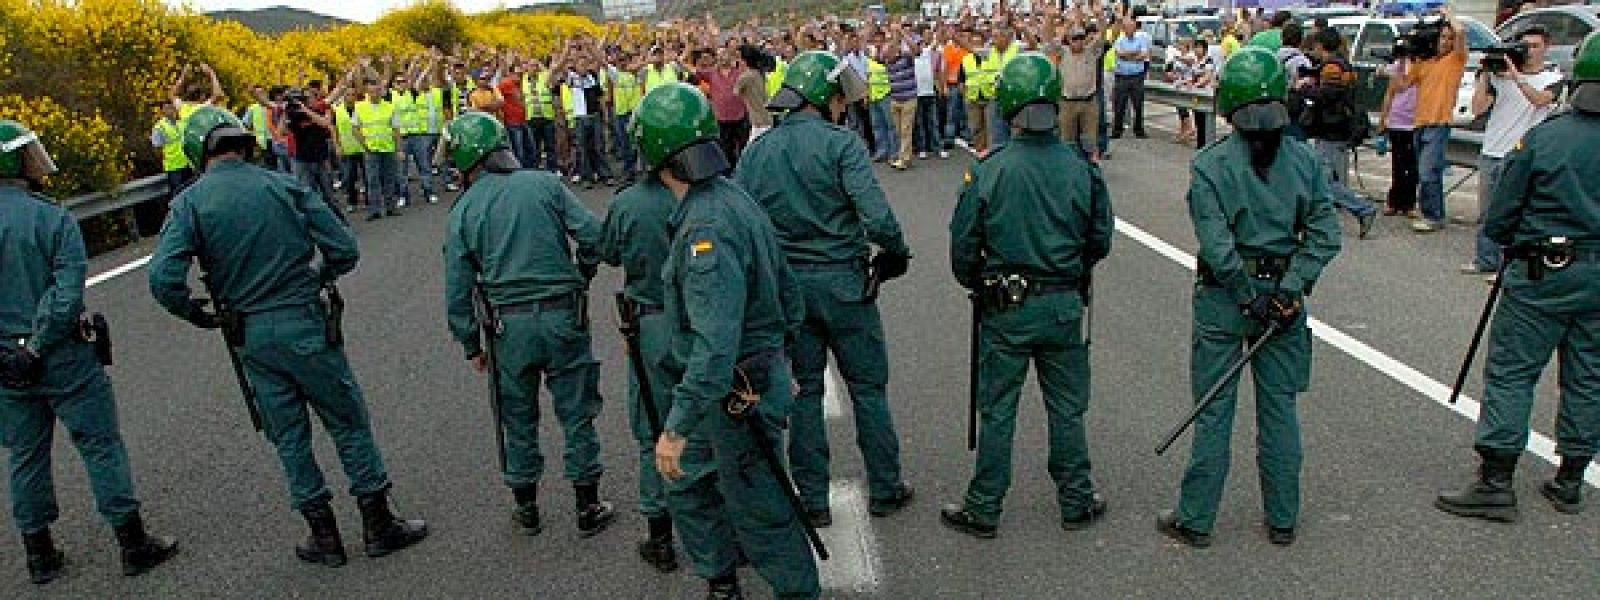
[(1324, 105)]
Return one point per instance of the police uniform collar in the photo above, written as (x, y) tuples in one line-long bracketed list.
[(804, 115)]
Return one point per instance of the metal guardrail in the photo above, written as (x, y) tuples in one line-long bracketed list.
[(128, 195)]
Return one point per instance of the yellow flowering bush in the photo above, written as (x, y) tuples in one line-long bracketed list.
[(86, 74)]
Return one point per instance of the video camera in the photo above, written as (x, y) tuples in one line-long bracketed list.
[(295, 102), (1421, 42), (1498, 58)]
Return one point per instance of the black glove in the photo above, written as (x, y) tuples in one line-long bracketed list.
[(889, 265), (20, 368), (588, 271), (1282, 308), (200, 314)]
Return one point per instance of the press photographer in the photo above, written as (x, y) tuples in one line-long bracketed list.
[(311, 135), (1519, 93), (1437, 75)]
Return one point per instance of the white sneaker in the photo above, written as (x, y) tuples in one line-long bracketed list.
[(944, 154), (451, 187), (433, 199), (577, 179), (401, 203), (922, 156)]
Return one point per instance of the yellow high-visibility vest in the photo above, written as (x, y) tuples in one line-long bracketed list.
[(775, 78), (989, 70), (877, 80), (625, 93), (348, 143), (375, 125), (172, 157), (257, 115), (654, 78)]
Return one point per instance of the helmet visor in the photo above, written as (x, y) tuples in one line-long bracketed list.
[(1587, 97), (36, 161), (1038, 116), (786, 99), (699, 161), (1260, 116), (851, 85)]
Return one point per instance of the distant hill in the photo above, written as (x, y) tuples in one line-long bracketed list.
[(279, 19)]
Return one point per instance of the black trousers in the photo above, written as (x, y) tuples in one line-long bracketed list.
[(1403, 192), (735, 134), (1128, 92)]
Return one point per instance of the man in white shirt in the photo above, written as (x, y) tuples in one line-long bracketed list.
[(1517, 98), (926, 62)]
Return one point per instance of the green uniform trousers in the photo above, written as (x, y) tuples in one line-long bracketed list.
[(838, 320), (729, 499), (655, 344), (1046, 330), (288, 360), (1281, 371), (1520, 344), (76, 391), (548, 344)]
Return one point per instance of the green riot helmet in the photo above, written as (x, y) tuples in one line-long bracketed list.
[(477, 139), (1028, 91), (1586, 74), (677, 132), (814, 78), (22, 155), (1251, 90), (211, 131)]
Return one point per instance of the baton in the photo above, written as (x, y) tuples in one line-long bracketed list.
[(1477, 335), (1086, 288), (244, 385), (488, 325), (1216, 388), (758, 432), (628, 325), (972, 371)]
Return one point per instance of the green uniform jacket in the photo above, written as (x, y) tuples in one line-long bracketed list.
[(510, 231), (43, 263), (1033, 207), (261, 230), (816, 182), (1237, 215), (637, 236), (730, 293), (1549, 188)]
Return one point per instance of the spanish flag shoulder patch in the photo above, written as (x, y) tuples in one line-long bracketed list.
[(700, 247)]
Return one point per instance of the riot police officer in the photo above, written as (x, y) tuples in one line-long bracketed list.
[(1267, 228), (254, 233), (1546, 214), (730, 299), (507, 238), (50, 370), (815, 181), (1033, 219)]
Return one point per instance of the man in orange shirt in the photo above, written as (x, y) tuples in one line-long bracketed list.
[(1436, 79), (955, 105)]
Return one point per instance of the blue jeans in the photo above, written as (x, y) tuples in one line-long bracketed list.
[(279, 160), (1486, 254), (1335, 159), (521, 141), (1431, 143), (419, 148), (926, 130), (315, 175), (542, 134), (999, 127), (380, 168), (955, 116), (886, 144), (624, 143), (1104, 139), (589, 135)]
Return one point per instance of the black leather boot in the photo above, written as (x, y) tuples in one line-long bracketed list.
[(1490, 497), (142, 551), (657, 549), (1565, 492), (383, 532), (725, 587), (45, 561), (526, 514), (593, 514), (323, 546)]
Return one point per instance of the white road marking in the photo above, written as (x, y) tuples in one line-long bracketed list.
[(119, 271), (1538, 443), (833, 393), (853, 564)]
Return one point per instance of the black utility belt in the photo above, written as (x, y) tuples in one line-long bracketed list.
[(1261, 268), (561, 302), (838, 265), (1010, 290), (1553, 254), (92, 329)]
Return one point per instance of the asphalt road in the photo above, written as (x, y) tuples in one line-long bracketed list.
[(1376, 449)]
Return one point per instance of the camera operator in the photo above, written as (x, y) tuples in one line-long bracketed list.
[(1520, 94), (1437, 78), (313, 134)]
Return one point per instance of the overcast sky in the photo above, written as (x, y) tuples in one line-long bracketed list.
[(365, 11)]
